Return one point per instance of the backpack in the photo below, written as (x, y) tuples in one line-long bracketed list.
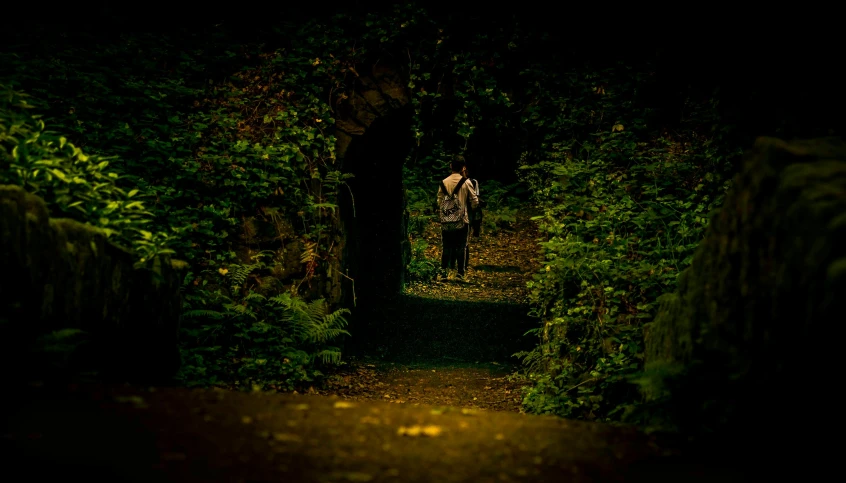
[(451, 210)]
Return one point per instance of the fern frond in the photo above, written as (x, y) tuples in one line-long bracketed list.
[(324, 334), (329, 325), (309, 253), (242, 310), (238, 273), (283, 299), (330, 355), (203, 313), (255, 296), (531, 359), (336, 318), (316, 310)]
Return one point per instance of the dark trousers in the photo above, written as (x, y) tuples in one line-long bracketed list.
[(476, 228), (455, 249)]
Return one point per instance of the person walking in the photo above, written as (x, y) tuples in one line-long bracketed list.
[(454, 198), (474, 214)]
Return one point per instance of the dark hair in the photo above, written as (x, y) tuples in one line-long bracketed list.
[(457, 163)]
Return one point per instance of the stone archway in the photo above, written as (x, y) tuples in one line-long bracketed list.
[(376, 94), (373, 136)]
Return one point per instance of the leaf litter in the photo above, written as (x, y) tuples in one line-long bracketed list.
[(500, 265)]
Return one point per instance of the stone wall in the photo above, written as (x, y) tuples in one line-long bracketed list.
[(379, 91), (60, 274), (749, 340)]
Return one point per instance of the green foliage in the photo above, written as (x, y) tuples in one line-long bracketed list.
[(225, 139), (421, 267), (501, 205), (421, 207), (229, 138), (624, 206), (241, 337), (72, 183)]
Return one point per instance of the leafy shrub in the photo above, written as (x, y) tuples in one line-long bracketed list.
[(498, 218), (421, 209), (72, 183), (244, 338), (421, 267), (227, 147), (624, 206)]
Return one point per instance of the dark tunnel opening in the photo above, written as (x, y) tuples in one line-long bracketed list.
[(373, 210)]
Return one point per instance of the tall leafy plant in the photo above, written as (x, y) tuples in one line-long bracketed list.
[(74, 184), (624, 206)]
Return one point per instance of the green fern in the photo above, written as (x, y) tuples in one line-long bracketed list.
[(202, 314), (330, 355), (312, 322), (317, 324), (254, 296), (531, 359), (331, 326), (241, 310), (238, 273)]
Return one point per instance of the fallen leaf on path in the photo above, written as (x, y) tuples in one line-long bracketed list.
[(430, 430), (344, 405), (352, 476), (287, 438)]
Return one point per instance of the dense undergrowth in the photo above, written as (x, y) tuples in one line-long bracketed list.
[(199, 146), (221, 152), (75, 184), (625, 203)]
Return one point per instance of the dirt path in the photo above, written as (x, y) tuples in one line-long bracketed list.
[(430, 397), (500, 264), (475, 386), (450, 343), (121, 434)]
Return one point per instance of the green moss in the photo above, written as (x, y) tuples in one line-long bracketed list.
[(758, 295), (69, 276)]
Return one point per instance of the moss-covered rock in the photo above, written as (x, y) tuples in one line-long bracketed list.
[(749, 338), (59, 274)]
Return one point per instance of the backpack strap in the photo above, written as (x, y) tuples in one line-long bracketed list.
[(458, 186), (443, 188)]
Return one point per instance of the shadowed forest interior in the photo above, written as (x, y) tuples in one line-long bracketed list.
[(224, 223)]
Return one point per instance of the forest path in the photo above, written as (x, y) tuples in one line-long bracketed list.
[(501, 262), (431, 400), (451, 343), (128, 434)]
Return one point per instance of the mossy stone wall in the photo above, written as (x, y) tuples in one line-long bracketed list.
[(60, 274), (749, 340)]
